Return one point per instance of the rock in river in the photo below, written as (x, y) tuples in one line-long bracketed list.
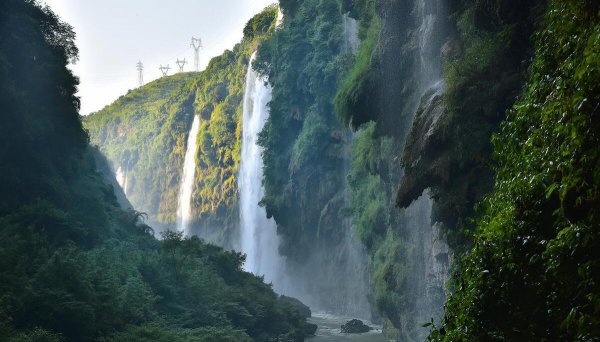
[(355, 326)]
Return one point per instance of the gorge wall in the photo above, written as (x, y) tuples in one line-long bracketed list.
[(145, 132), (377, 150)]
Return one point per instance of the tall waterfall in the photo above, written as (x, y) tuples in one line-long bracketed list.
[(184, 207), (428, 283), (259, 240)]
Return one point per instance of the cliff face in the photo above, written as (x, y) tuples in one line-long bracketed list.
[(434, 79), (394, 140), (306, 152), (535, 245), (143, 134), (394, 83), (448, 149)]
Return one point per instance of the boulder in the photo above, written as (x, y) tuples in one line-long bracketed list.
[(296, 304), (355, 326)]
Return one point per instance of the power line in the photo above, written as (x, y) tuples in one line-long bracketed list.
[(140, 69), (181, 64), (197, 45), (164, 69)]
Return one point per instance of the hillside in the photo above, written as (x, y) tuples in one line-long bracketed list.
[(144, 135), (76, 266), (133, 133)]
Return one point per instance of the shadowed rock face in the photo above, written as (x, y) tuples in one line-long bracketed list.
[(425, 125), (448, 148), (355, 326), (421, 143)]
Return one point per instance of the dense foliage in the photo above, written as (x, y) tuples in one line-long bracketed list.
[(530, 270), (74, 265), (145, 133), (484, 62), (306, 151), (533, 272), (302, 140)]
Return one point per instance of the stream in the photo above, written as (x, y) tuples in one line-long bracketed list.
[(329, 330)]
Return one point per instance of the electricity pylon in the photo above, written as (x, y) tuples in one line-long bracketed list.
[(164, 70), (181, 64), (140, 69), (197, 45)]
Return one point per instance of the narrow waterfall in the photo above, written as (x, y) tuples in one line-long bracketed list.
[(184, 207), (279, 20), (351, 40), (259, 240), (428, 282), (121, 177)]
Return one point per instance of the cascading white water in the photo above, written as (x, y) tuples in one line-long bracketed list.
[(427, 284), (279, 20), (351, 40), (259, 240), (120, 175), (429, 13), (122, 179), (184, 207)]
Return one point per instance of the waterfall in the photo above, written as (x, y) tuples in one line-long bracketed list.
[(259, 240), (429, 13), (184, 207), (120, 175), (279, 20), (351, 40), (432, 253), (122, 179)]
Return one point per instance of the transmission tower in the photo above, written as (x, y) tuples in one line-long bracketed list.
[(140, 69), (181, 64), (164, 69), (197, 45)]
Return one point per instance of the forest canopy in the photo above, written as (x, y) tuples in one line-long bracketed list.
[(77, 267)]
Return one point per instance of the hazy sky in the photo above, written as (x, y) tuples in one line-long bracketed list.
[(112, 35)]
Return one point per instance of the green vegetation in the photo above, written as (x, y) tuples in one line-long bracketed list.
[(219, 96), (378, 96), (306, 152), (145, 133), (74, 265), (302, 140), (484, 61), (527, 264), (353, 102), (533, 272)]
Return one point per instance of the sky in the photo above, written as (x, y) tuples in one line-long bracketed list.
[(113, 35)]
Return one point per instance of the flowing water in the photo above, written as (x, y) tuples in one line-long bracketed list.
[(259, 240), (351, 40), (430, 258), (184, 208), (122, 179)]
